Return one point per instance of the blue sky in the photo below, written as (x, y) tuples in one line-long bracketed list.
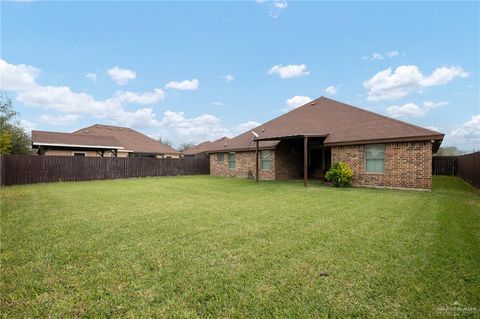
[(191, 71)]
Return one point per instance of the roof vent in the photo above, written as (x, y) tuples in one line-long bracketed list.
[(225, 144), (313, 103), (263, 130)]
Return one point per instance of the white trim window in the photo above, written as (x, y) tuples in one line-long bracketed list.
[(220, 157), (265, 159), (374, 158)]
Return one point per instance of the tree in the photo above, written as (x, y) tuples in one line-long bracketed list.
[(165, 141), (185, 146), (449, 151), (14, 139), (5, 143)]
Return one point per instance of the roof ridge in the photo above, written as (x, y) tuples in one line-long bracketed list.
[(51, 132), (384, 116), (104, 125), (282, 115), (125, 128)]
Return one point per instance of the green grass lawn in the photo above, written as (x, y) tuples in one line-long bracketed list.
[(225, 247)]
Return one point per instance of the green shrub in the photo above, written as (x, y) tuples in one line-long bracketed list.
[(340, 174)]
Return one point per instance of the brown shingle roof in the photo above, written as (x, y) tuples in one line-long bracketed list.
[(75, 140), (205, 146), (342, 123), (129, 139)]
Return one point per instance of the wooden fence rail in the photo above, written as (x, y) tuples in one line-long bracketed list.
[(23, 169), (465, 166)]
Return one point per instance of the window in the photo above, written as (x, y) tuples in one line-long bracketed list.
[(265, 159), (231, 161), (375, 158), (220, 157), (78, 154)]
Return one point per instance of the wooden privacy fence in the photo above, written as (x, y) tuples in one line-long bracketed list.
[(465, 166), (468, 168), (24, 169), (444, 165)]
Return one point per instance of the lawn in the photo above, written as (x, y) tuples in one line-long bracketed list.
[(225, 247)]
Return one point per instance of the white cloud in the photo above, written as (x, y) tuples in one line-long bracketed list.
[(332, 89), (243, 127), (280, 4), (91, 76), (196, 129), (60, 120), (72, 105), (121, 76), (21, 79), (469, 132), (17, 77), (60, 98), (183, 85), (433, 128), (413, 110), (296, 101), (392, 54), (227, 77), (443, 75), (432, 105), (387, 85), (140, 118), (27, 126), (289, 71), (145, 98), (217, 103), (275, 6), (380, 56), (406, 110)]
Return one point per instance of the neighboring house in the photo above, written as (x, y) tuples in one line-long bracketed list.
[(200, 150), (381, 151), (100, 140)]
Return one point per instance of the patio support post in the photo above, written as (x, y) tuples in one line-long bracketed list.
[(323, 158), (305, 160), (256, 162)]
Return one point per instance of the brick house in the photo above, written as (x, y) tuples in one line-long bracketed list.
[(305, 142), (100, 140), (200, 150)]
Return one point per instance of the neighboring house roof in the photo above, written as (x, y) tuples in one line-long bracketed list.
[(44, 138), (205, 146), (342, 124), (129, 139)]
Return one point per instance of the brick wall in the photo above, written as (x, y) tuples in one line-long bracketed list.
[(288, 160), (407, 165), (245, 166)]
